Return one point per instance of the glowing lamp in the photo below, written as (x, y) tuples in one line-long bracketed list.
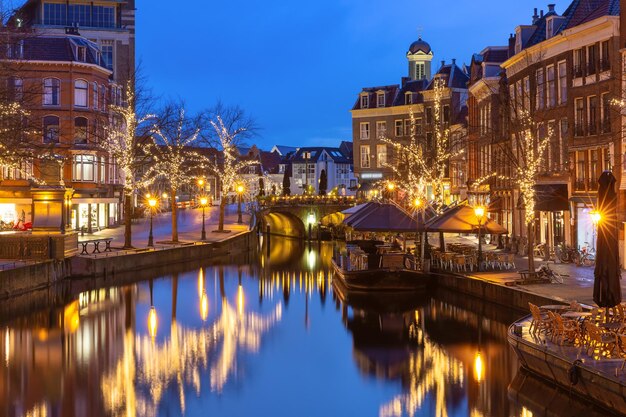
[(391, 186), (417, 202), (200, 182), (479, 211), (596, 217), (479, 368), (203, 201), (240, 189), (152, 202)]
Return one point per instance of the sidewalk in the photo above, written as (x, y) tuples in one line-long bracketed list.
[(189, 228), (577, 280)]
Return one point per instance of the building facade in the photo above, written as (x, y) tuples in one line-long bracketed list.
[(63, 83), (309, 164), (561, 71)]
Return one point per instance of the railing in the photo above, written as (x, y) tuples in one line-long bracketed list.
[(580, 185), (297, 200), (605, 65), (578, 71)]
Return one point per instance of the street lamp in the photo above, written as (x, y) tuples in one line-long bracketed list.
[(479, 211), (239, 192), (152, 204), (596, 218), (203, 201), (390, 189)]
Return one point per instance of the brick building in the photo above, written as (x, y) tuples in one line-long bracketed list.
[(385, 112), (63, 83)]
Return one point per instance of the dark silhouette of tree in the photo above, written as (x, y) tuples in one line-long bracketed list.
[(323, 182), (286, 183)]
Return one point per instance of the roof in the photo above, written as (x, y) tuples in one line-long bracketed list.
[(420, 46), (283, 149), (61, 48), (454, 76), (390, 92), (315, 153), (270, 161), (577, 13), (462, 219), (383, 217)]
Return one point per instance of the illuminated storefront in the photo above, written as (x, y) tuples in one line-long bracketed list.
[(100, 212), (15, 210)]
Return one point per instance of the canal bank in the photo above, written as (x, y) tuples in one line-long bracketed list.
[(112, 263)]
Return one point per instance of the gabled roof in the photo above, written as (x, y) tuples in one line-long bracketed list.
[(454, 76), (284, 150), (315, 153), (270, 161)]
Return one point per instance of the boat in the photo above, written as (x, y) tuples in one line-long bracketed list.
[(601, 381), (372, 266)]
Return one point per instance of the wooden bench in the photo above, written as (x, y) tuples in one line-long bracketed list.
[(96, 245)]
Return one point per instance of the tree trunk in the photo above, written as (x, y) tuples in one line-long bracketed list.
[(174, 216), (531, 247), (220, 225), (128, 208)]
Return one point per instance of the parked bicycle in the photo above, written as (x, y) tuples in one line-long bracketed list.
[(567, 254), (587, 255), (548, 273)]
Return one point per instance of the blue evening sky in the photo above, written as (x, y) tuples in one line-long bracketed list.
[(297, 67)]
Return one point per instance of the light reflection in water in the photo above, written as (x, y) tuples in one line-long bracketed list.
[(426, 357)]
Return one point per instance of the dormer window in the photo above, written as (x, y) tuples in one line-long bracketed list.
[(82, 54), (365, 101), (380, 100), (408, 98), (550, 28)]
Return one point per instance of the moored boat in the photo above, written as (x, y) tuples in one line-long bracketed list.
[(597, 379), (371, 266)]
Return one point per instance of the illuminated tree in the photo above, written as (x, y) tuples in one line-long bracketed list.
[(124, 143), (174, 162), (227, 136)]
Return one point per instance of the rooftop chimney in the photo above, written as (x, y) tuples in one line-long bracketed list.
[(453, 61), (535, 17), (541, 14), (551, 7), (443, 62)]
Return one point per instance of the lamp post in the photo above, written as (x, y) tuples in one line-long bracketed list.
[(390, 189), (152, 204), (596, 217), (239, 193), (203, 201), (479, 211)]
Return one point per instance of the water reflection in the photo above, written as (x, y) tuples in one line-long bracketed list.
[(258, 339)]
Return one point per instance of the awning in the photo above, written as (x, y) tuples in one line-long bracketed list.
[(95, 200), (383, 217), (462, 219), (588, 200), (548, 197)]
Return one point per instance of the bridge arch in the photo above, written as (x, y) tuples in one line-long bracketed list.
[(283, 223)]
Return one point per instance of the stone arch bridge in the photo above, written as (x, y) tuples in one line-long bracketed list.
[(291, 216)]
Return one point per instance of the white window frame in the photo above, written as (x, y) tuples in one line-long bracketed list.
[(399, 128), (365, 156), (364, 129), (81, 94), (381, 156), (365, 101), (380, 99), (48, 91), (381, 129), (79, 161), (562, 81), (551, 87)]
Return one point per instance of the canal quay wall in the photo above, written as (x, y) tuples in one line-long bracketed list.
[(109, 264), (509, 296), (23, 279)]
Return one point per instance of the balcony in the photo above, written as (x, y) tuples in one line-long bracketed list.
[(580, 185), (592, 129)]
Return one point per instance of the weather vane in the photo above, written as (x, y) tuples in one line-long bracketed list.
[(420, 29)]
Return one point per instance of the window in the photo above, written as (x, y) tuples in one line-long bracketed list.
[(551, 93), (527, 93), (103, 98), (50, 129), (103, 16), (429, 140), (579, 114), (594, 168), (365, 130), (606, 160), (605, 113), (579, 59), (562, 82), (80, 130), (112, 171), (81, 53), (399, 128), (592, 114), (365, 101), (418, 126), (564, 131), (107, 54), (550, 28), (381, 155), (84, 168), (581, 167), (78, 14), (365, 156), (380, 100), (408, 98), (18, 89), (54, 14), (23, 171), (605, 63), (95, 95), (102, 175), (446, 114), (420, 70), (541, 89), (554, 152), (429, 115), (381, 129), (51, 91), (592, 56), (81, 93)]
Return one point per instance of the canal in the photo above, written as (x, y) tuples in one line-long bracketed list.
[(264, 336)]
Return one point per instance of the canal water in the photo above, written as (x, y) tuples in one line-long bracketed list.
[(269, 337)]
